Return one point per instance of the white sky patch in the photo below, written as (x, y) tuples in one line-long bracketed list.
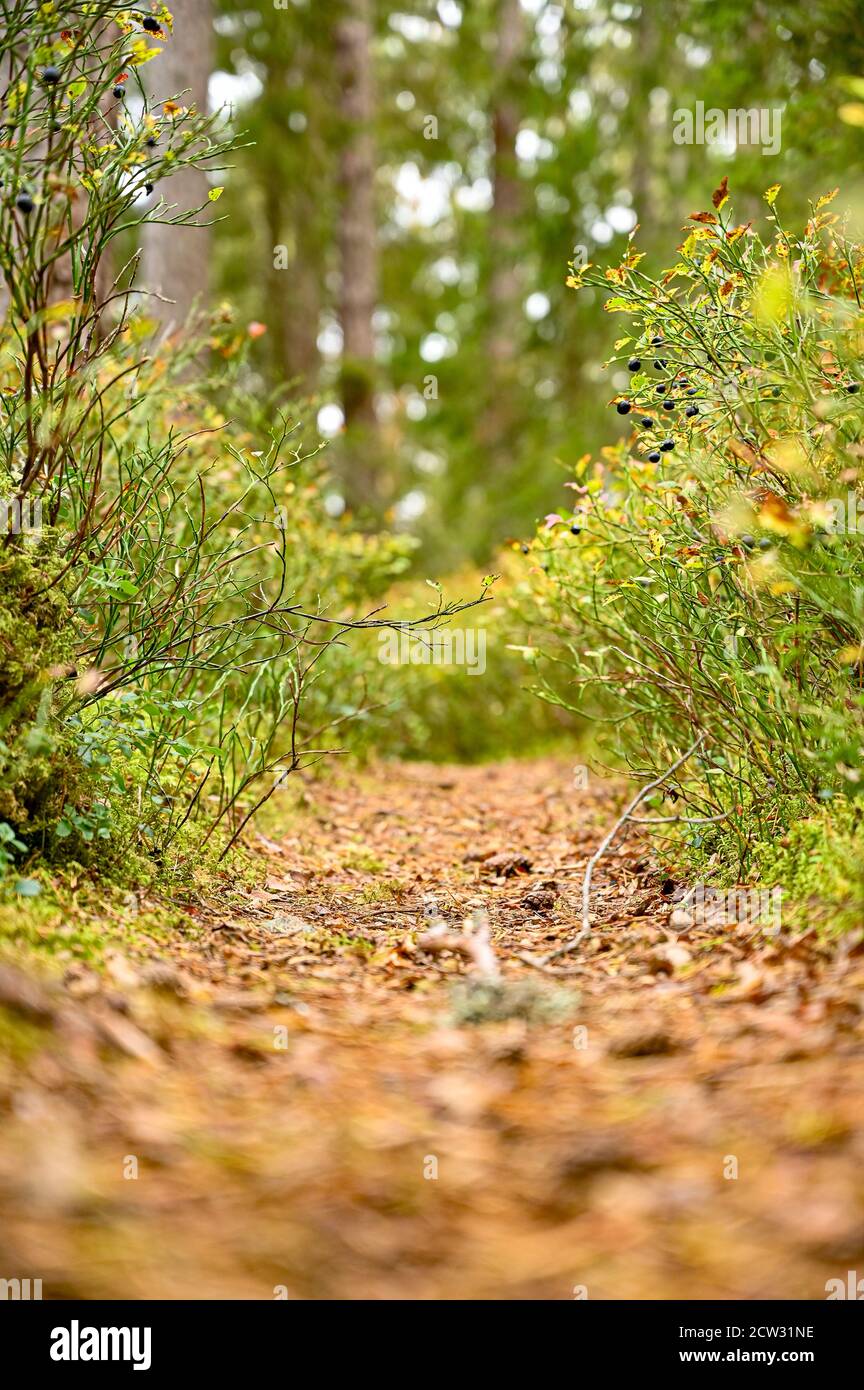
[(413, 27), (601, 232), (696, 54), (475, 197), (330, 340), (549, 72), (334, 503), (550, 20), (530, 146), (435, 347), (620, 218), (579, 104), (411, 506), (420, 202), (537, 306), (330, 419), (449, 13), (233, 89), (446, 269)]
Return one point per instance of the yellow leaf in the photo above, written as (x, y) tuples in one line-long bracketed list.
[(64, 309), (827, 198), (787, 455), (773, 295), (770, 195), (852, 113), (850, 656), (141, 54)]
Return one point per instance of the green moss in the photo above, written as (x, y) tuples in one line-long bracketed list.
[(79, 918), (817, 861), (362, 859), (20, 1038), (494, 1001), (819, 864)]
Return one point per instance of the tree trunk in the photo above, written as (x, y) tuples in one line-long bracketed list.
[(294, 290), (175, 260), (505, 275), (358, 248)]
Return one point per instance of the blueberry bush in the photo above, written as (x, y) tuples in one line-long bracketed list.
[(705, 583), (171, 588)]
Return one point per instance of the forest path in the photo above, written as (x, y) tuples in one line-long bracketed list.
[(309, 1112)]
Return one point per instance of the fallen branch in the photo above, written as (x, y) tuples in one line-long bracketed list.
[(604, 845), (473, 941)]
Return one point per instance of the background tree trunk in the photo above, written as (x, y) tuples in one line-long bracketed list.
[(505, 275), (176, 261), (294, 291), (358, 248)]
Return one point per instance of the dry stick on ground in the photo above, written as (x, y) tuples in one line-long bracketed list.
[(604, 845), (474, 941)]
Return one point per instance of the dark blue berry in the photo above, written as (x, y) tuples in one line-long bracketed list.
[(575, 530), (660, 364), (660, 390), (646, 423), (747, 542), (151, 141), (117, 92), (667, 445), (765, 544), (24, 203), (148, 189), (634, 364), (668, 405), (692, 391), (691, 411), (655, 342), (151, 24), (623, 407), (653, 457), (51, 75), (853, 389)]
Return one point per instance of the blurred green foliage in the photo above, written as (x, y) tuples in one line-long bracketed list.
[(595, 87)]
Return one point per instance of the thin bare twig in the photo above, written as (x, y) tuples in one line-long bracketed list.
[(604, 845)]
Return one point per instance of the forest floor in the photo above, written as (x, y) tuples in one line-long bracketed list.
[(319, 1104)]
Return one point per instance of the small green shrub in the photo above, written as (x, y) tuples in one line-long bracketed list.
[(707, 581), (177, 591), (38, 633)]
